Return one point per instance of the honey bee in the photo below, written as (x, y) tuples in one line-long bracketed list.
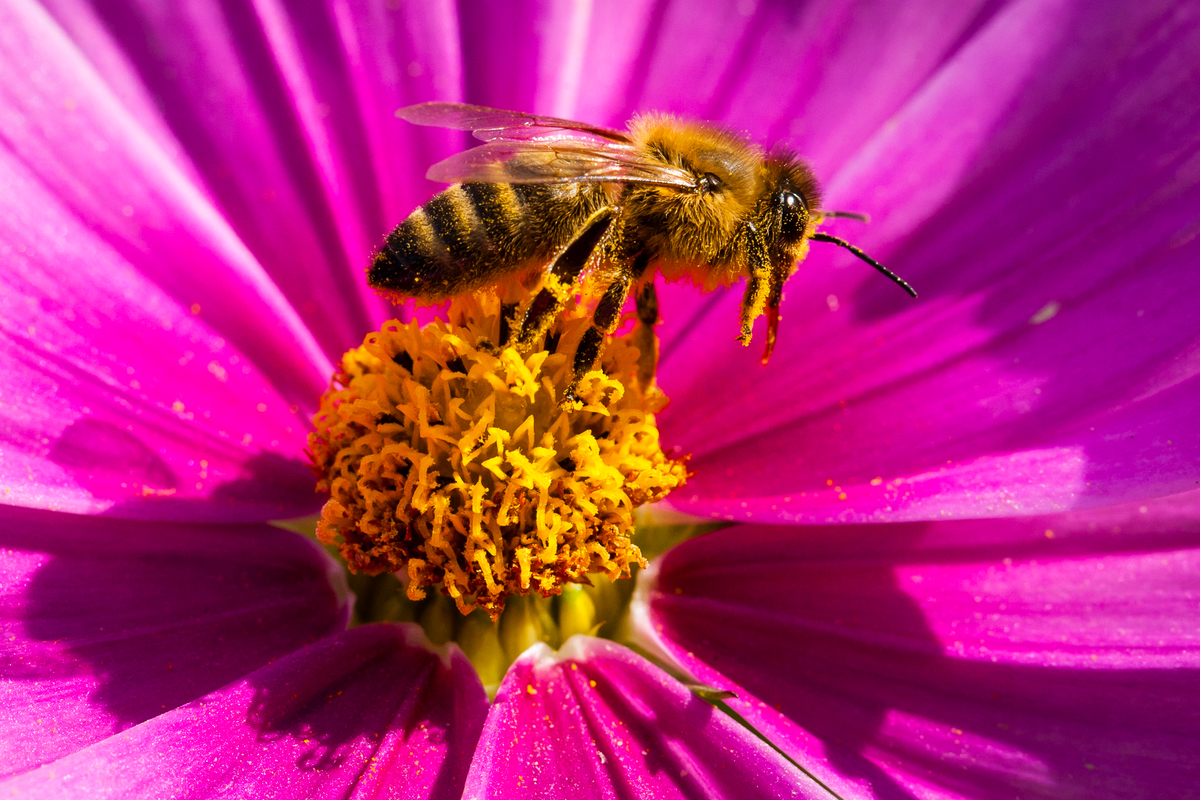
[(670, 197)]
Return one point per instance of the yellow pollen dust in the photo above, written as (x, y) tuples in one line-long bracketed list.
[(453, 461)]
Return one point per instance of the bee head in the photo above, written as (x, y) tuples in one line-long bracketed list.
[(793, 215), (791, 199), (787, 214)]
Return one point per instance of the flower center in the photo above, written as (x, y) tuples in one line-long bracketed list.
[(453, 460)]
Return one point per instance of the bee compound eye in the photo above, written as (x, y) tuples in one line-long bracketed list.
[(709, 182), (794, 201), (795, 213)]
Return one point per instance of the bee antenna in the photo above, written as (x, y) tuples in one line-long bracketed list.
[(896, 279), (845, 215)]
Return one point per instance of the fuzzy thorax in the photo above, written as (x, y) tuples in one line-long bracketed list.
[(451, 460)]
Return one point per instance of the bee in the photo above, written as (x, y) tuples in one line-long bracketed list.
[(670, 198)]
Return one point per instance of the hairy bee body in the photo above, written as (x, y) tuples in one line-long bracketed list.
[(672, 197), (474, 234)]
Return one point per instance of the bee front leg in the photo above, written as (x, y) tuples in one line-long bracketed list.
[(561, 277), (758, 274)]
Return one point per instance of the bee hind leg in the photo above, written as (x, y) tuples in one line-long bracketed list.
[(607, 317), (604, 321), (643, 335), (561, 277), (508, 318)]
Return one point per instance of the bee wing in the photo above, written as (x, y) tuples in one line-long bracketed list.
[(493, 124), (564, 161), (527, 148)]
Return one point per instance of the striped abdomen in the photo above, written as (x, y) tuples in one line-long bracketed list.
[(473, 234)]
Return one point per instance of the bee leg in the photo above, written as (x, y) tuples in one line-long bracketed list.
[(508, 315), (643, 335), (561, 277), (758, 269), (604, 321), (772, 330), (774, 296)]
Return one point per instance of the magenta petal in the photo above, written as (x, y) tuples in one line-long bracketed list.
[(821, 76), (286, 113), (1050, 361), (106, 623), (1046, 657), (596, 720), (372, 712), (151, 368)]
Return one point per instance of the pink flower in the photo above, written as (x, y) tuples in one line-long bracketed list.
[(957, 581)]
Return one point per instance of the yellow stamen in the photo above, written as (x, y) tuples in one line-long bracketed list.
[(454, 461)]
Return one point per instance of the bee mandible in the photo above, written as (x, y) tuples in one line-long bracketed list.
[(669, 197)]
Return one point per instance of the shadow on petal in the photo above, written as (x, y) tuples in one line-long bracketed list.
[(114, 465), (105, 460), (110, 622), (391, 689), (367, 712), (595, 720)]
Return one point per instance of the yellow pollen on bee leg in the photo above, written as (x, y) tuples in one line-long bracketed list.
[(481, 482)]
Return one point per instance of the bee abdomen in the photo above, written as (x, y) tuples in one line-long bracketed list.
[(456, 242), (500, 209)]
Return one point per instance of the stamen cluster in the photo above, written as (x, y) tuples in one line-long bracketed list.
[(454, 461)]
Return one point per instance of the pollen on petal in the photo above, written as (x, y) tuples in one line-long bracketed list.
[(454, 461)]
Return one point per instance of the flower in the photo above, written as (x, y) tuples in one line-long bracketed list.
[(453, 459), (971, 558)]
